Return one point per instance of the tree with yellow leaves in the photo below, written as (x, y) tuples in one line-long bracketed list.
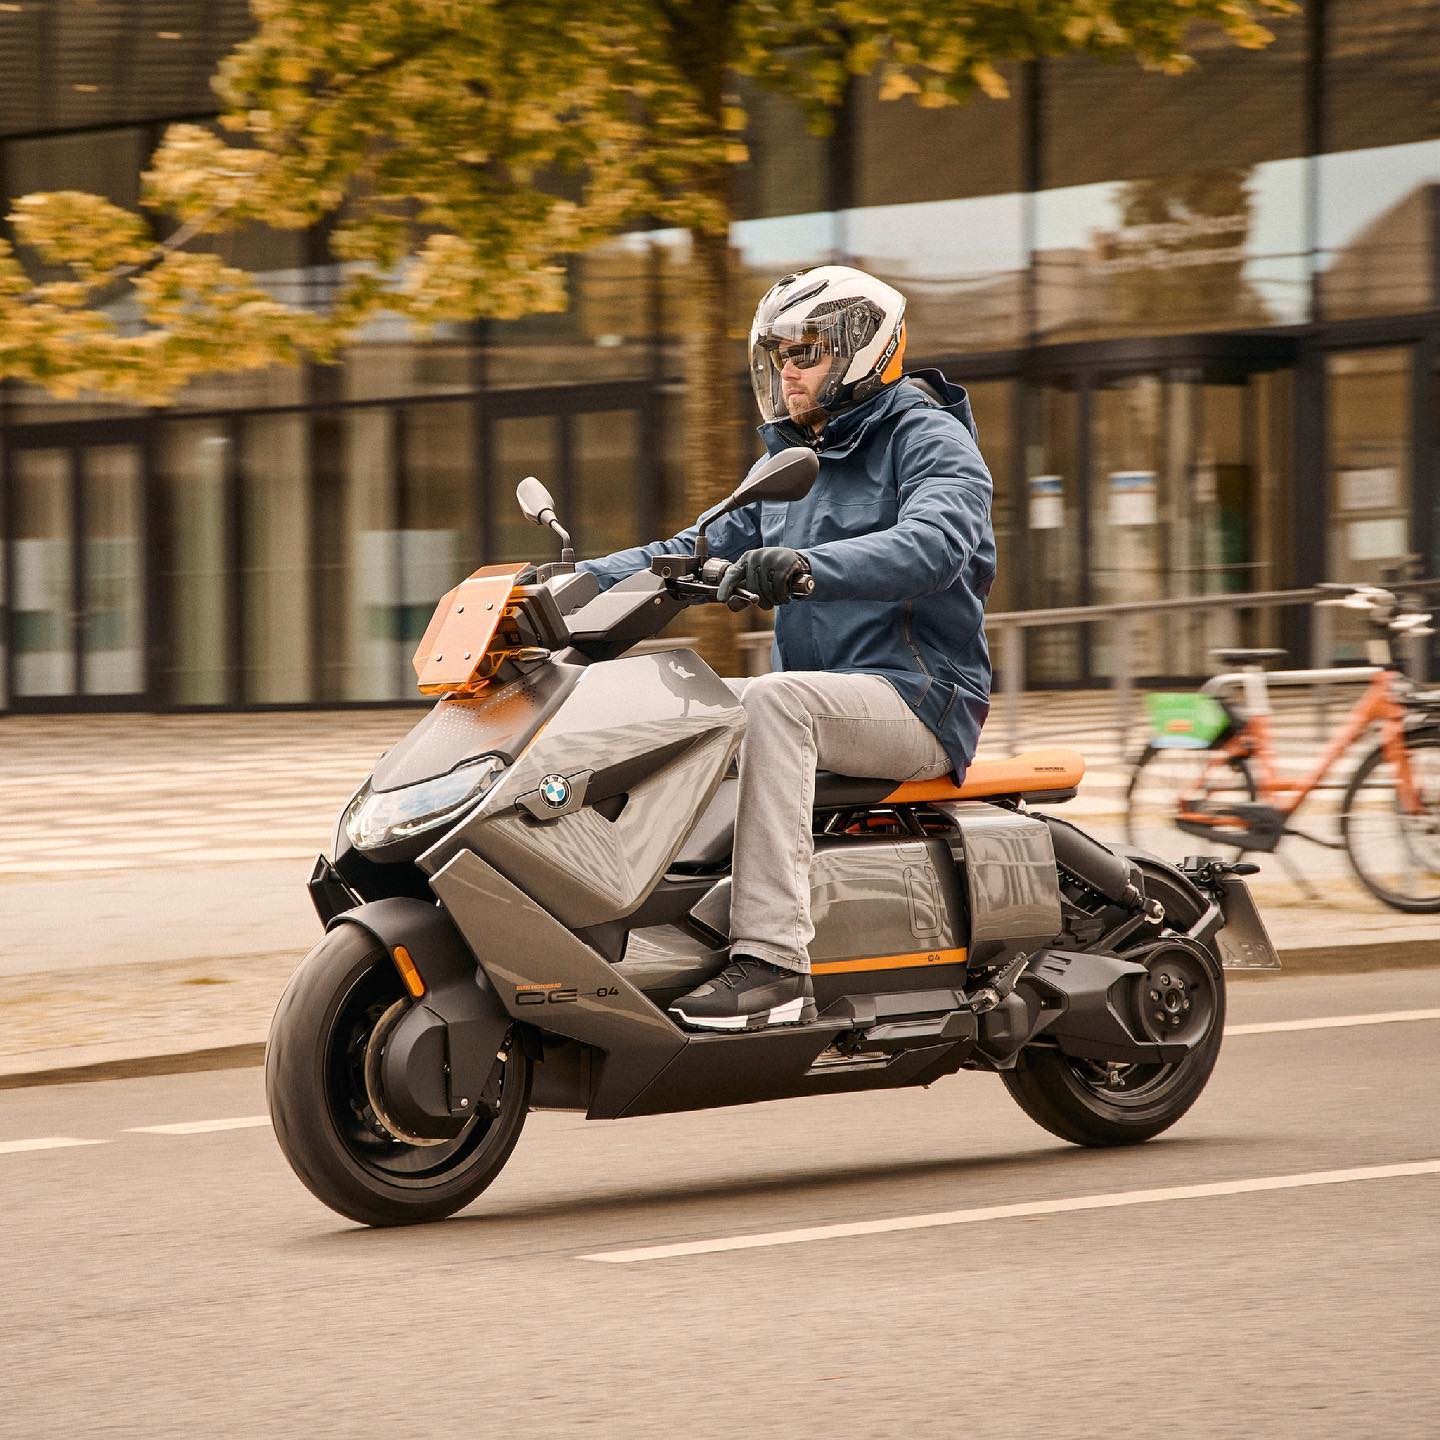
[(463, 148)]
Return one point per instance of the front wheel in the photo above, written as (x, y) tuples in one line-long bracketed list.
[(340, 1002), (1096, 1103), (1394, 846)]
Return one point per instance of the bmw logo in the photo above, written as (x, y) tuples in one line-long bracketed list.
[(555, 791)]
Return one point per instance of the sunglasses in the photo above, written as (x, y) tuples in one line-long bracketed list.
[(804, 354)]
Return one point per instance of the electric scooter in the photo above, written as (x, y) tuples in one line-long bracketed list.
[(542, 865)]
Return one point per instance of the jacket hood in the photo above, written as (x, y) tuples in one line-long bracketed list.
[(842, 434)]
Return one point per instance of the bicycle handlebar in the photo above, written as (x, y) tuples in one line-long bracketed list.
[(1383, 607)]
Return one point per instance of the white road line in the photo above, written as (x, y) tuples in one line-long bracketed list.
[(1008, 1212), (48, 1142), (200, 1127), (1333, 1022)]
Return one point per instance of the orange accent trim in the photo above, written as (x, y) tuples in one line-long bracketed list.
[(1215, 822), (1024, 773), (891, 962), (408, 973), (896, 368)]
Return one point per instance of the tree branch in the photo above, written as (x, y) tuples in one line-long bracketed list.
[(331, 91)]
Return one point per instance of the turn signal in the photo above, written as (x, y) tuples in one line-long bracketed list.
[(408, 973)]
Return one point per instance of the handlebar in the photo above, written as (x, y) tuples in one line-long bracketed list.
[(1385, 610), (800, 587), (712, 572)]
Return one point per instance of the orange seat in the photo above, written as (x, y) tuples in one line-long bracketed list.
[(1028, 773)]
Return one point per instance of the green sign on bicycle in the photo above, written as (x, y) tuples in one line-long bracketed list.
[(1186, 721)]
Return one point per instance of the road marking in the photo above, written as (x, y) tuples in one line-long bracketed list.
[(1333, 1022), (48, 1142), (201, 1127), (1009, 1212)]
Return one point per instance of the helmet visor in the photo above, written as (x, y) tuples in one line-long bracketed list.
[(833, 339), (806, 344)]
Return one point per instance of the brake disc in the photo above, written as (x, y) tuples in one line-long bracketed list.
[(374, 1055)]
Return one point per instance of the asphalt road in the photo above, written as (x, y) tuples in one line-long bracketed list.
[(163, 1284)]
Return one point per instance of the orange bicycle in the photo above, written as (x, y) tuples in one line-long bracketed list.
[(1209, 770)]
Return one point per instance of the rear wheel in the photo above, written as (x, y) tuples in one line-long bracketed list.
[(334, 1015), (1395, 849), (1183, 996), (1162, 775)]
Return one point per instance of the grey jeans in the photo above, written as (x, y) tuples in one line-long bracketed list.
[(797, 722)]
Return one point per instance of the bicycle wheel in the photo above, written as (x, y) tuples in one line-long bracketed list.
[(1395, 854), (1160, 777)]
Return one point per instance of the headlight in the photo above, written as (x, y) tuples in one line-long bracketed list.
[(381, 817)]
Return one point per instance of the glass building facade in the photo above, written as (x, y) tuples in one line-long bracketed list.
[(1199, 319)]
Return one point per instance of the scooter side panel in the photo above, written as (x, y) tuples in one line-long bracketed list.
[(879, 898), (659, 729), (1010, 874), (872, 902), (544, 975), (590, 869)]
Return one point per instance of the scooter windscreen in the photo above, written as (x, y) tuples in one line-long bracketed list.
[(450, 760)]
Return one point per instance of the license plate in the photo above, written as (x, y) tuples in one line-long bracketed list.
[(1243, 942)]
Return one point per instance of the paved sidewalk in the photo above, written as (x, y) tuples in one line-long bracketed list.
[(136, 792), (152, 870)]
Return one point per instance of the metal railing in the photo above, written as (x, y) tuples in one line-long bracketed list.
[(1006, 630)]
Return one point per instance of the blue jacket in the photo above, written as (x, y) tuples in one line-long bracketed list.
[(897, 532)]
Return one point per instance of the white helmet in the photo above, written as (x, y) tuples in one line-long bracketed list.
[(831, 314)]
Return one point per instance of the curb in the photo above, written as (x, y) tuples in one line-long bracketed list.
[(183, 1062), (1311, 960), (1348, 960)]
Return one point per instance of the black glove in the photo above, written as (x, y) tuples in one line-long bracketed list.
[(766, 573)]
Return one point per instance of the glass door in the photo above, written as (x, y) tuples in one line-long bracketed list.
[(1050, 551), (1369, 444), (1188, 484), (77, 613), (42, 569)]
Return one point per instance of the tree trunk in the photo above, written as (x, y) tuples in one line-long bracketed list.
[(708, 353)]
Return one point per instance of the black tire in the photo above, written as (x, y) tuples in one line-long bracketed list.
[(1147, 828), (1411, 845), (320, 1108), (1066, 1097)]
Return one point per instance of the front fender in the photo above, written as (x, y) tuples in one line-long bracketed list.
[(440, 1057)]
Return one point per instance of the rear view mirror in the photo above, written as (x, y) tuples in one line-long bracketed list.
[(539, 509), (786, 476), (534, 500)]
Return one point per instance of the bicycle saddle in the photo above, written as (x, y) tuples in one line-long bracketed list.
[(1247, 657)]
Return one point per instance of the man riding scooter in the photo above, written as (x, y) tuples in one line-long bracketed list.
[(884, 670)]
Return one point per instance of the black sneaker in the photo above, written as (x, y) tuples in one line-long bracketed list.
[(748, 994)]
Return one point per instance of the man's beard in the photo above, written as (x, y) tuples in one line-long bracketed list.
[(804, 412)]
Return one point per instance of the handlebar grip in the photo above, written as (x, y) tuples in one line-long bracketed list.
[(802, 585)]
